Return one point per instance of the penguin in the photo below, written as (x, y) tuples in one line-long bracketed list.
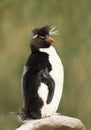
[(43, 76)]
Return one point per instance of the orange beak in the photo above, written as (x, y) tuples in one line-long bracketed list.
[(49, 40)]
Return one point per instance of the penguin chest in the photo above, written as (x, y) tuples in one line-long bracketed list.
[(57, 75)]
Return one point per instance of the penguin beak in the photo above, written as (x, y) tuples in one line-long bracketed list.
[(49, 40)]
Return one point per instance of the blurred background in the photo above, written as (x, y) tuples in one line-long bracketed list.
[(73, 44)]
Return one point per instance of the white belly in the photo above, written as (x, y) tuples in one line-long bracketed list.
[(57, 74)]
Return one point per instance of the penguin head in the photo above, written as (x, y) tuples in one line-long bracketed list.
[(41, 38)]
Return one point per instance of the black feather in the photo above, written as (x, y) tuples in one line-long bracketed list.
[(44, 31), (38, 68)]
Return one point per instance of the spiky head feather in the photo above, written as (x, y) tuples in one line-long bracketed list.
[(44, 31)]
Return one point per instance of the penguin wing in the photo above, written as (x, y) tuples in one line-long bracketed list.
[(47, 79)]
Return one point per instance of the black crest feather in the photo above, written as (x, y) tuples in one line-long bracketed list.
[(42, 31)]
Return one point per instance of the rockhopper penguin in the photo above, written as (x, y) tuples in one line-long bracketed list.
[(43, 76)]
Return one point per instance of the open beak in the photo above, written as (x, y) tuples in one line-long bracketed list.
[(49, 40)]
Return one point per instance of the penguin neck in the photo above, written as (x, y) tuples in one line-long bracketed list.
[(49, 50)]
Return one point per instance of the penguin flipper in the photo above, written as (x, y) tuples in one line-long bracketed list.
[(47, 79)]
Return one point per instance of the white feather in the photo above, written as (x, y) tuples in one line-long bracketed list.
[(43, 92), (53, 31), (52, 28), (57, 74)]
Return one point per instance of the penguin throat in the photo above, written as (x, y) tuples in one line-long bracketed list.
[(49, 50)]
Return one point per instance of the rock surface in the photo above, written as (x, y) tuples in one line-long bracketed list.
[(55, 122)]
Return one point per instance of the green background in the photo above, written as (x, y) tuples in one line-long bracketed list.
[(73, 44)]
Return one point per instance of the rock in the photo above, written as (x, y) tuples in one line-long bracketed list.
[(54, 122)]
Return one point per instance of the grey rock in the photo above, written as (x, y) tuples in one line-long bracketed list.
[(54, 122)]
